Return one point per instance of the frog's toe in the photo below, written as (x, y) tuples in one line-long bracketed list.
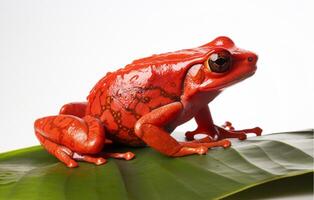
[(90, 159), (126, 156), (100, 161), (201, 150), (72, 164), (129, 155), (257, 130), (227, 131), (241, 136), (228, 125)]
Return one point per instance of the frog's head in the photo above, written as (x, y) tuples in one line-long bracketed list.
[(223, 65)]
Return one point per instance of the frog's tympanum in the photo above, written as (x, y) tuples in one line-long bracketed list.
[(142, 103)]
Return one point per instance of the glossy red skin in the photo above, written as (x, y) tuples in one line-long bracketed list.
[(143, 102), (122, 97)]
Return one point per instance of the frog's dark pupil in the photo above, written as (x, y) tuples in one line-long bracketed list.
[(220, 61)]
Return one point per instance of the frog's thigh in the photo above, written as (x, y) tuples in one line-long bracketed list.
[(83, 135), (62, 135)]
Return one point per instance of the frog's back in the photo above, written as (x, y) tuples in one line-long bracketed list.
[(122, 97)]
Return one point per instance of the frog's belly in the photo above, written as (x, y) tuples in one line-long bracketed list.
[(125, 137)]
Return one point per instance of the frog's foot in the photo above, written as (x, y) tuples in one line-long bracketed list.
[(228, 131), (208, 144), (189, 135), (62, 153), (88, 158), (67, 156), (196, 147), (126, 156), (225, 131), (100, 159)]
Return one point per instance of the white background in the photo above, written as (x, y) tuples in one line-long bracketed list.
[(53, 52)]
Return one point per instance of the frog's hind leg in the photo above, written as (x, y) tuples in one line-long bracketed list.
[(66, 136), (77, 109)]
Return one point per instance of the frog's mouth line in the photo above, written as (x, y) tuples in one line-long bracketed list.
[(233, 82), (245, 76), (241, 78)]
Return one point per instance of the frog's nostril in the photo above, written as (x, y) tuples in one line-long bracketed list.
[(250, 59)]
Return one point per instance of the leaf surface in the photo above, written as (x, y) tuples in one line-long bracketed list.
[(32, 173)]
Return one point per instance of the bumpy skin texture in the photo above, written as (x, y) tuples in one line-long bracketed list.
[(142, 103)]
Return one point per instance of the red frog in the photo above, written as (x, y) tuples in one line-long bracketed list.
[(142, 103)]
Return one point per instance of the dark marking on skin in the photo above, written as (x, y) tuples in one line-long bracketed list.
[(138, 97), (57, 124), (147, 99)]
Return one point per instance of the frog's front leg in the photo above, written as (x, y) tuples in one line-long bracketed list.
[(151, 129), (205, 125), (71, 138)]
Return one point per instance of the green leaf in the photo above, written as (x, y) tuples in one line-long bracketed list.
[(32, 173)]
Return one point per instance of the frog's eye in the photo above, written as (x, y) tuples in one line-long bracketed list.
[(219, 61)]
